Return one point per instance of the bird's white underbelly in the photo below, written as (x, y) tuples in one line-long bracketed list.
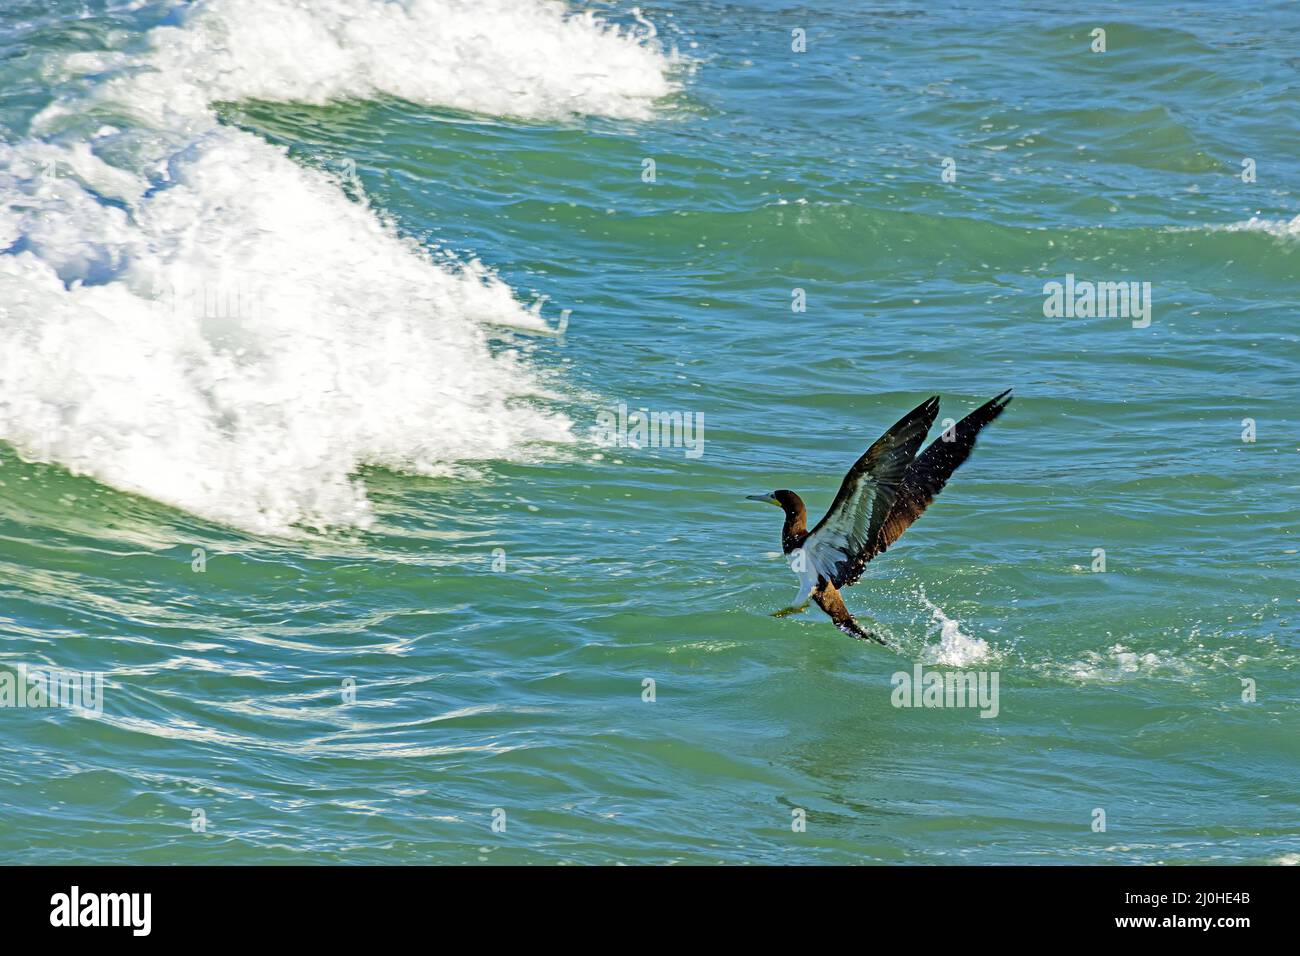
[(806, 573)]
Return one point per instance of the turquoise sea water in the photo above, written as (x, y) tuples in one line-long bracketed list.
[(404, 498)]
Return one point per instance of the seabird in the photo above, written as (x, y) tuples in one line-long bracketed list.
[(884, 492)]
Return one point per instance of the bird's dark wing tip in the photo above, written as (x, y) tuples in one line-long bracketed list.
[(992, 408)]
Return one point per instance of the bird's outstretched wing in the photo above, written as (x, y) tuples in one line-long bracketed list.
[(930, 471), (838, 547)]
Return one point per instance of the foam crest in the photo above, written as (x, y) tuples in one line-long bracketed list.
[(1281, 228), (1278, 228), (521, 58)]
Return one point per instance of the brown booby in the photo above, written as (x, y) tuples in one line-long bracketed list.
[(884, 492)]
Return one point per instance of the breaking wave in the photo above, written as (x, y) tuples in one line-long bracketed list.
[(189, 315)]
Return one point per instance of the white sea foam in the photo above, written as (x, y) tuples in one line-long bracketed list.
[(523, 58), (1118, 663), (1280, 228), (188, 314)]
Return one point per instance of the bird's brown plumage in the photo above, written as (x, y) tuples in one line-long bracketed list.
[(927, 475), (867, 494), (885, 491)]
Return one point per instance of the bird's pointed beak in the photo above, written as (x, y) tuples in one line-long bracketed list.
[(769, 498)]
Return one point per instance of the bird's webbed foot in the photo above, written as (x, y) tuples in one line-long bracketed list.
[(787, 611)]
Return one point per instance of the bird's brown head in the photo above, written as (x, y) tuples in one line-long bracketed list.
[(794, 530), (783, 498)]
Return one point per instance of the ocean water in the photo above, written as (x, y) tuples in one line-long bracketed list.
[(313, 317)]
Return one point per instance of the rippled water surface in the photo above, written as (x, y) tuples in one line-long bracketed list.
[(291, 452)]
